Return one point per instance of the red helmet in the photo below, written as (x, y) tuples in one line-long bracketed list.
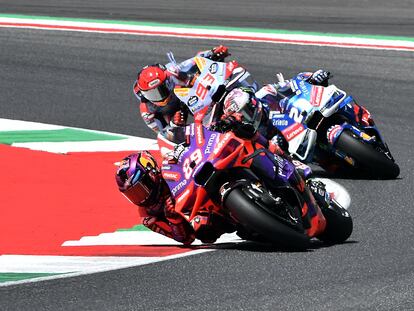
[(155, 84), (139, 178)]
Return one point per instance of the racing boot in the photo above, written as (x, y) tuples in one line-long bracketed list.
[(209, 227)]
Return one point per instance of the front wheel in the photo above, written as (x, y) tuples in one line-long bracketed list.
[(250, 214), (339, 224), (367, 158)]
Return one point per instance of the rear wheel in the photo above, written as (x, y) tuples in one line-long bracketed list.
[(256, 217), (367, 158)]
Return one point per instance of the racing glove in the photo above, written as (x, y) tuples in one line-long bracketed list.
[(178, 119), (219, 53), (181, 230), (151, 121), (225, 124), (279, 144), (320, 77)]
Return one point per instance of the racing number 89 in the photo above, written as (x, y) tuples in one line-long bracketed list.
[(191, 162)]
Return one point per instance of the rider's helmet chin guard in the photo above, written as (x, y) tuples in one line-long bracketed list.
[(155, 83), (138, 177), (242, 104)]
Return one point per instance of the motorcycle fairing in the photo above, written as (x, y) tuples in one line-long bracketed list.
[(299, 109), (361, 125), (301, 139), (202, 146), (212, 75)]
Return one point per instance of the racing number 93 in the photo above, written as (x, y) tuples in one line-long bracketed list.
[(191, 162), (202, 90)]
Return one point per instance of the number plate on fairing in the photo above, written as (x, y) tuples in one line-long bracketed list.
[(179, 175), (212, 75)]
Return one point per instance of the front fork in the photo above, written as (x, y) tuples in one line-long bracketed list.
[(285, 171)]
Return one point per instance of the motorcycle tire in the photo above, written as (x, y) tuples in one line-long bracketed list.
[(252, 216), (371, 161), (339, 224)]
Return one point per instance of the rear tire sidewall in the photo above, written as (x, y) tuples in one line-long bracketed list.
[(254, 218), (370, 161)]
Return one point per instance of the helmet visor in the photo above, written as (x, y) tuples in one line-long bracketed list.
[(160, 93), (252, 113), (140, 191)]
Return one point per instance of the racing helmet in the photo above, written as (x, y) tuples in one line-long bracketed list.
[(139, 178), (244, 107), (154, 82)]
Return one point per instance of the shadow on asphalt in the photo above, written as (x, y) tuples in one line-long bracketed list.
[(320, 173), (251, 246)]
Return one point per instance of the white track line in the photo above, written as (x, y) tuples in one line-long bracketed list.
[(194, 32)]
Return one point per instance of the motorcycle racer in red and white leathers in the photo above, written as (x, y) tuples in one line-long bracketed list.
[(154, 89)]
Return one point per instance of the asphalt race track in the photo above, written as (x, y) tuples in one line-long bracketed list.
[(351, 16), (85, 80)]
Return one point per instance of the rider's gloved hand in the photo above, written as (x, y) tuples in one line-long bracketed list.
[(227, 124), (320, 77), (219, 53), (151, 121), (178, 119), (281, 143), (183, 232)]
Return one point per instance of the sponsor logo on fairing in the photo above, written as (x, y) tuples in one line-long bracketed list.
[(280, 166), (316, 96), (209, 143), (196, 107), (178, 152), (280, 122), (183, 195), (192, 101), (199, 115), (221, 143), (177, 188), (171, 176), (213, 68), (293, 131), (275, 114), (199, 135)]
